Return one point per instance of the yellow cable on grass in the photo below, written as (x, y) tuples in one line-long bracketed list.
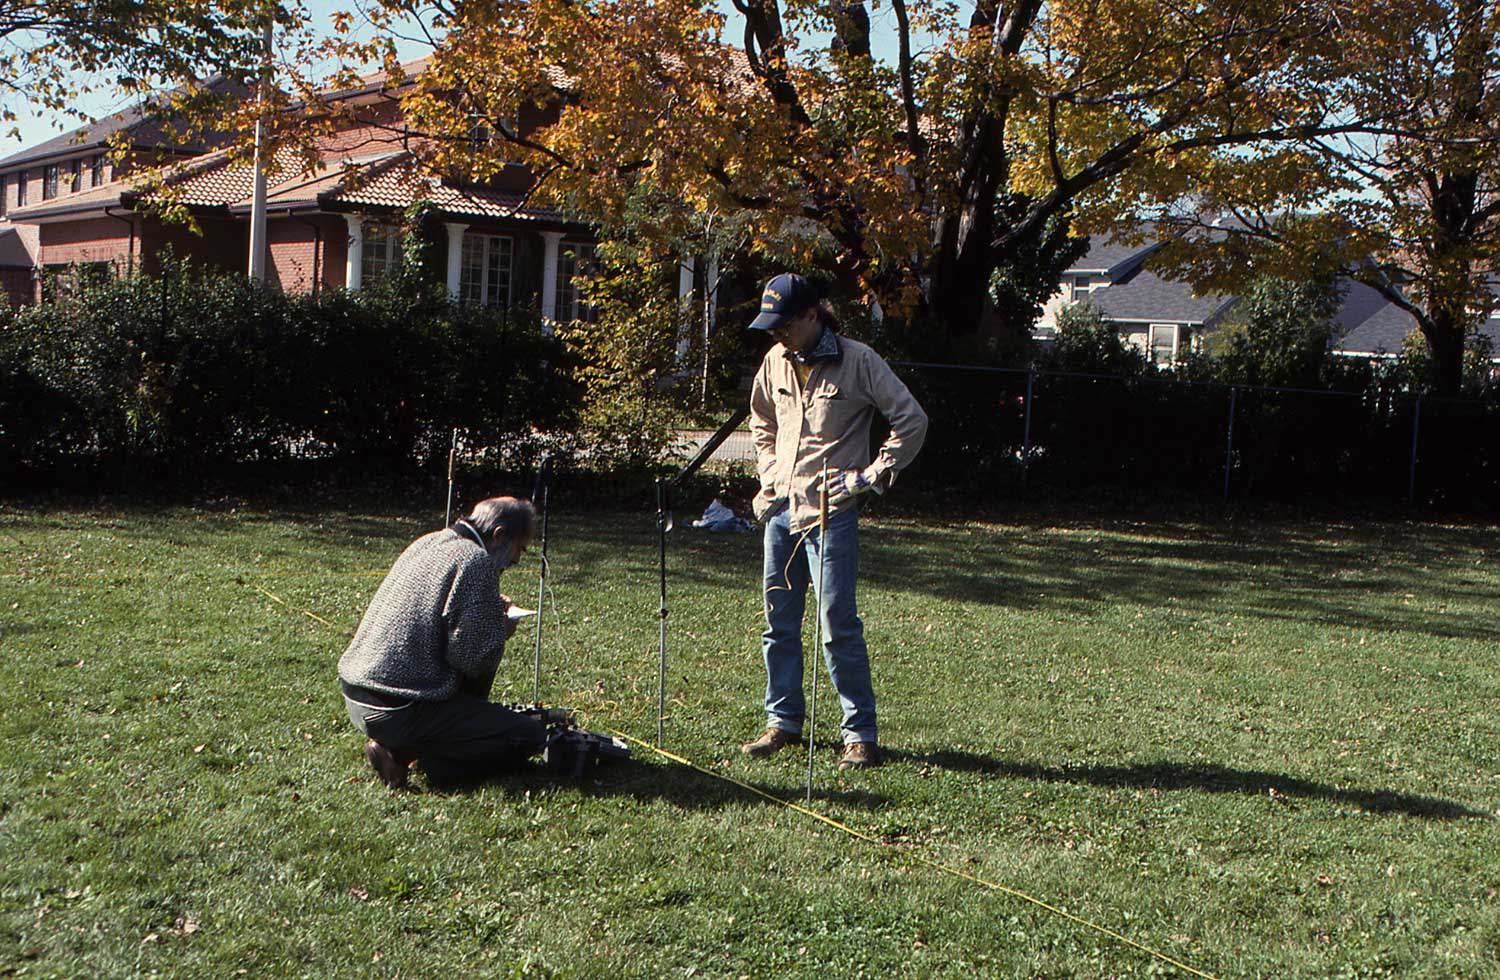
[(920, 859), (928, 862)]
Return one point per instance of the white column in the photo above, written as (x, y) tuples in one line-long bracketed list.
[(685, 301), (354, 262), (456, 231), (551, 240)]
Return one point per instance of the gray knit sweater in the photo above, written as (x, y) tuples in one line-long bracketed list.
[(436, 619)]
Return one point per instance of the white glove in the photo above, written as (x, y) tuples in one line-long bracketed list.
[(847, 485)]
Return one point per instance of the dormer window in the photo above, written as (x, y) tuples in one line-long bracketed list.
[(480, 133)]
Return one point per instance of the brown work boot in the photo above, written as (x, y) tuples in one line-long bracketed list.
[(390, 766), (773, 741), (860, 755)]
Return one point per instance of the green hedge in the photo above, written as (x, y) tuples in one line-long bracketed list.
[(194, 369)]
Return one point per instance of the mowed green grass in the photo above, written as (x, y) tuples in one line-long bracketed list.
[(1266, 749)]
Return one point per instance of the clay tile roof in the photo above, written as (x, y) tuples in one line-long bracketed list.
[(401, 183), (217, 180)]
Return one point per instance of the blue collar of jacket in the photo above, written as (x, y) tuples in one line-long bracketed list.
[(826, 349)]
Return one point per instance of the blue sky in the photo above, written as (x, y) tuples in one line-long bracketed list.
[(36, 128)]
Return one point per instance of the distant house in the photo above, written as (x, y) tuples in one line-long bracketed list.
[(1162, 317), (42, 184), (67, 207), (1370, 326), (1165, 318)]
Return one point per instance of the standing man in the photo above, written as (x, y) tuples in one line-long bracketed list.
[(812, 402), (416, 677)]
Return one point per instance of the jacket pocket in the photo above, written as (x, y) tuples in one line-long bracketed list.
[(830, 412)]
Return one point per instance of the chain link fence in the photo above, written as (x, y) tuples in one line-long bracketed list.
[(1014, 428)]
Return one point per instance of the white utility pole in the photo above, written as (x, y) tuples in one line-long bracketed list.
[(258, 199)]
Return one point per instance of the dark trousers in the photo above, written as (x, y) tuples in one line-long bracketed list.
[(458, 740)]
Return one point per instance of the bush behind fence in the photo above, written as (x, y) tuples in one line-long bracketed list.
[(1005, 428), (188, 374)]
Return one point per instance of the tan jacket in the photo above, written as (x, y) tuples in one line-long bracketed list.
[(795, 431)]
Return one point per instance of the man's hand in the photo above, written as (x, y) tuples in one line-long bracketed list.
[(847, 485), (510, 624)]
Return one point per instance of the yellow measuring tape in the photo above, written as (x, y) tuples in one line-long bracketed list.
[(842, 827), (936, 865)]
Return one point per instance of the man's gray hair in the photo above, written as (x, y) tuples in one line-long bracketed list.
[(516, 515)]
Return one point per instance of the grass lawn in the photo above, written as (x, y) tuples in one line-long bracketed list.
[(1267, 749)]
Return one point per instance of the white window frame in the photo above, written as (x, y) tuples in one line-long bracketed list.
[(1075, 290), (380, 252), (487, 270), (1176, 329), (569, 306)]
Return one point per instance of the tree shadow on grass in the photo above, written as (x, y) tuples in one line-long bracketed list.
[(1205, 778)]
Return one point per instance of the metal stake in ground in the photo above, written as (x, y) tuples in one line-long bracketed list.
[(452, 458), (663, 525), (812, 708), (539, 497)]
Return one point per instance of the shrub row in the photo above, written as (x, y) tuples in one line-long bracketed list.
[(193, 369)]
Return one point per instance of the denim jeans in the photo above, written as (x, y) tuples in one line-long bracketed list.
[(790, 566)]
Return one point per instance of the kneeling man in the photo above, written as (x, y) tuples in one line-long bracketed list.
[(417, 675)]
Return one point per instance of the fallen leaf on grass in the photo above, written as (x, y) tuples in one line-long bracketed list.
[(151, 937), (1324, 880), (359, 893)]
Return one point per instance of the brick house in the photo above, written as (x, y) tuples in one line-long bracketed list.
[(66, 207)]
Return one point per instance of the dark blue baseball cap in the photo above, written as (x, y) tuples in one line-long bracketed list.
[(785, 297)]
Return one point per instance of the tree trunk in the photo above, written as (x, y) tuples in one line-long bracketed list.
[(1445, 342), (959, 284)]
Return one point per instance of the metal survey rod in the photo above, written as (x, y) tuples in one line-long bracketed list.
[(663, 525), (812, 708), (452, 457), (539, 497)]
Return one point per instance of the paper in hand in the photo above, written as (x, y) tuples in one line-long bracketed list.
[(516, 612)]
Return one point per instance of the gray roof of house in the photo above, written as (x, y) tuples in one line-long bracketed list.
[(1108, 254), (1371, 324), (1144, 296)]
